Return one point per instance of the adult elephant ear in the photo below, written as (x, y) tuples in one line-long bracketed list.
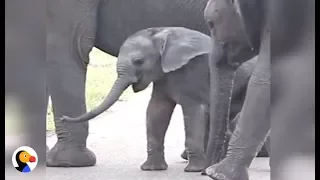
[(177, 46), (251, 13)]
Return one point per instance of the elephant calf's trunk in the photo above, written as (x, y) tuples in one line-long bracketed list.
[(118, 87)]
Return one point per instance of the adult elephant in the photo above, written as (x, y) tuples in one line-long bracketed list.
[(293, 90), (25, 89), (249, 37), (73, 28), (239, 30)]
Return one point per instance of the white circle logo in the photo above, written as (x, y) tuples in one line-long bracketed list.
[(24, 159)]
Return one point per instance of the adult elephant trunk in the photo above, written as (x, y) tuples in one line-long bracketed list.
[(117, 89), (221, 76)]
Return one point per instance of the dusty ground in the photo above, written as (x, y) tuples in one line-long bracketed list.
[(119, 141)]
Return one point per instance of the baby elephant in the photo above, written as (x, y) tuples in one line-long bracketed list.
[(175, 59)]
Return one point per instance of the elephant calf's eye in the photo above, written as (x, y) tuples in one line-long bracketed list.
[(138, 62)]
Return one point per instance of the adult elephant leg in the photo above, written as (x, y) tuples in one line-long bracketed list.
[(293, 114), (264, 152), (71, 31), (293, 118), (159, 113), (25, 82), (253, 126), (293, 90)]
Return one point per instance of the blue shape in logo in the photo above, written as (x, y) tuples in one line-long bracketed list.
[(26, 169)]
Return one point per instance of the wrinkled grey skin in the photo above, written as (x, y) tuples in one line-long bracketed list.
[(73, 28), (25, 82), (239, 31), (293, 88), (171, 58), (292, 112)]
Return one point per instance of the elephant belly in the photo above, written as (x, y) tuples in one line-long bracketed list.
[(118, 19)]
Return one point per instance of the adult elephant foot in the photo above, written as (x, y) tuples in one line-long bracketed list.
[(155, 162), (235, 165), (70, 149), (63, 155)]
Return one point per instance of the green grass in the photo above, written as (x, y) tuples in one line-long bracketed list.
[(100, 78)]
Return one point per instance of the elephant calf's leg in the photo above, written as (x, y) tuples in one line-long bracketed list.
[(184, 154), (195, 126), (159, 113)]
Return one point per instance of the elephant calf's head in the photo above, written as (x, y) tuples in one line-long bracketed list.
[(139, 61), (150, 53)]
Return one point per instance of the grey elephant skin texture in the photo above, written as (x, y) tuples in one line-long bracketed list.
[(175, 60), (239, 30), (73, 28), (293, 90), (25, 89)]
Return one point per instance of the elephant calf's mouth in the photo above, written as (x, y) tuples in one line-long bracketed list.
[(139, 86)]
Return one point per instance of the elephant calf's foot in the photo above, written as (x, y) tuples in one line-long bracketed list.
[(227, 171), (196, 163), (155, 162), (195, 166), (184, 155), (70, 156)]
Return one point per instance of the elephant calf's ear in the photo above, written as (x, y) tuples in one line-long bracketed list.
[(178, 46)]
